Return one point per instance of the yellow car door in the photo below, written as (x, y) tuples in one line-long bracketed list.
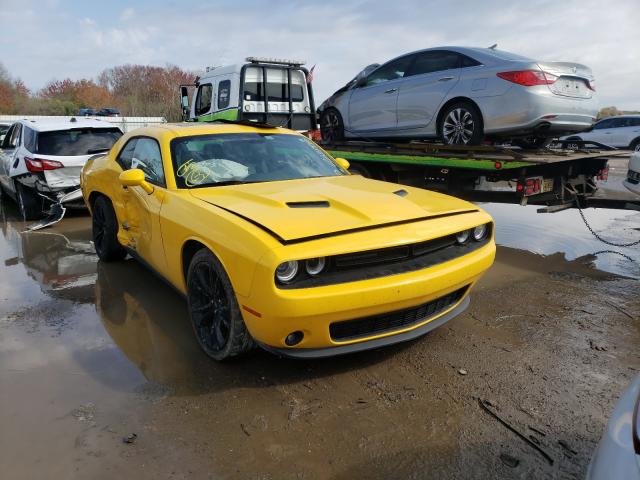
[(139, 211)]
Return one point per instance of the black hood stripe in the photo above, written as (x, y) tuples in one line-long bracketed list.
[(341, 232)]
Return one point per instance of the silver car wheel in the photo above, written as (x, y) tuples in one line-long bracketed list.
[(331, 126), (458, 127)]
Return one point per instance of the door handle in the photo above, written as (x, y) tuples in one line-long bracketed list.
[(445, 79), (391, 90)]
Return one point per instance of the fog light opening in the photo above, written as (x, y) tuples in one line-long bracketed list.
[(294, 338)]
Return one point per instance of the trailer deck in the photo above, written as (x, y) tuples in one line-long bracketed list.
[(557, 178)]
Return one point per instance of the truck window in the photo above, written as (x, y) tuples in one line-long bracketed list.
[(224, 91), (277, 86), (203, 99)]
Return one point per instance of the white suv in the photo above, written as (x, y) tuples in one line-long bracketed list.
[(633, 176), (621, 132), (41, 160)]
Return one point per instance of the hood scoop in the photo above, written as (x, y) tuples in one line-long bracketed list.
[(401, 193), (309, 204)]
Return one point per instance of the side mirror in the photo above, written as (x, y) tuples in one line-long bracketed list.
[(184, 100), (135, 178), (344, 163)]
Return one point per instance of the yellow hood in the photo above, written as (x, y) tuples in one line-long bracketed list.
[(295, 210)]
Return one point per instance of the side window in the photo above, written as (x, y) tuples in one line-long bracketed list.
[(634, 122), (468, 62), (224, 94), (602, 124), (203, 99), (147, 157), (618, 122), (434, 61), (126, 154), (14, 140), (6, 143), (29, 139), (392, 70)]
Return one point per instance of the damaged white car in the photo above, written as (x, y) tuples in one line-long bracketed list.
[(41, 160)]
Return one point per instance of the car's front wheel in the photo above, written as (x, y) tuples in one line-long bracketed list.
[(213, 308), (28, 203), (331, 125), (461, 124), (105, 231)]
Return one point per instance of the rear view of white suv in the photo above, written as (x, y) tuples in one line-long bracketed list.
[(41, 160), (621, 132)]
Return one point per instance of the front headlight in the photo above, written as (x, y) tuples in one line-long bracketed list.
[(287, 271), (462, 237), (480, 232), (314, 266)]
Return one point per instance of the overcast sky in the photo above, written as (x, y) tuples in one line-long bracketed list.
[(53, 39)]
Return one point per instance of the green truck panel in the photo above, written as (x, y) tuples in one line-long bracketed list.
[(473, 164)]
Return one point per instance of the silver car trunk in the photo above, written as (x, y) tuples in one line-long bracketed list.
[(573, 79)]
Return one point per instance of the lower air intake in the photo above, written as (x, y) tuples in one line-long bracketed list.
[(400, 319)]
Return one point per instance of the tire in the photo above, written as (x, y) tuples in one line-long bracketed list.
[(532, 143), (461, 124), (105, 231), (331, 126), (29, 205), (213, 309), (635, 145)]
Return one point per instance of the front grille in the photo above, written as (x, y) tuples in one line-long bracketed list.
[(384, 262), (633, 177), (387, 322)]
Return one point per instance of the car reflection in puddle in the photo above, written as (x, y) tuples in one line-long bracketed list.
[(149, 322)]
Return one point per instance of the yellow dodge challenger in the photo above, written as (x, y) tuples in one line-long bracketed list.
[(273, 242)]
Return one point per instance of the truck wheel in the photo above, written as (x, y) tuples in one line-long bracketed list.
[(105, 231), (532, 143), (213, 308), (461, 124), (29, 204), (331, 126)]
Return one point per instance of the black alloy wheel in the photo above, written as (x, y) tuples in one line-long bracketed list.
[(105, 231), (213, 309)]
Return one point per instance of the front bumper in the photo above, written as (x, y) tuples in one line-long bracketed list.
[(273, 314), (423, 329)]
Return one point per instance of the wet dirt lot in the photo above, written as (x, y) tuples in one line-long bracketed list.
[(92, 353)]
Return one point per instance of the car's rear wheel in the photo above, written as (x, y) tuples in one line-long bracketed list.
[(29, 204), (213, 308), (635, 145), (331, 125), (105, 231), (533, 142), (461, 124)]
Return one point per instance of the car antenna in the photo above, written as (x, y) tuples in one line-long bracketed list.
[(493, 47)]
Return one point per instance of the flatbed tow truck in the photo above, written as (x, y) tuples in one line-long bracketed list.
[(557, 178)]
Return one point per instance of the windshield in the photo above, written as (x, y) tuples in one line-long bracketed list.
[(210, 160), (81, 141)]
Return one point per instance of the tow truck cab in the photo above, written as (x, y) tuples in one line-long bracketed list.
[(274, 91)]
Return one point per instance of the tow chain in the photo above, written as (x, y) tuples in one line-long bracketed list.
[(595, 234)]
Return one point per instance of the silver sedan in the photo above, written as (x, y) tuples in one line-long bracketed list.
[(462, 96)]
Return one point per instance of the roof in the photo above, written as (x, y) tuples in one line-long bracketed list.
[(51, 124)]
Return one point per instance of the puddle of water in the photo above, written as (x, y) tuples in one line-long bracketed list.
[(564, 232)]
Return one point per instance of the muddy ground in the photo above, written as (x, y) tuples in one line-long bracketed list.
[(93, 356)]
